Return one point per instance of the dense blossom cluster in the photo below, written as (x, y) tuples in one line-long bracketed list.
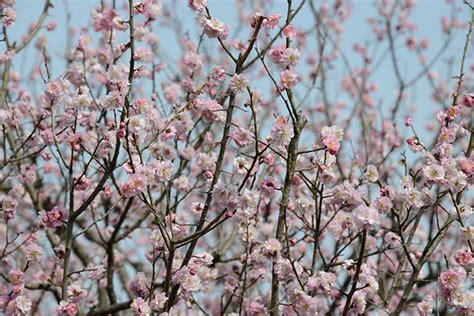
[(231, 178)]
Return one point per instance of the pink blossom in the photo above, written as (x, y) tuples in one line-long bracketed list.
[(218, 73), (323, 282), (139, 285), (197, 5), (468, 100), (425, 307), (136, 184), (371, 174), (289, 31), (290, 57), (268, 187), (23, 304), (272, 248), (366, 215), (434, 172), (34, 252), (464, 257), (238, 83), (332, 144), (242, 137), (383, 204), (16, 277), (76, 293), (215, 28), (467, 166), (96, 272), (255, 309), (271, 22), (393, 240), (451, 279), (171, 92), (211, 110), (159, 301), (54, 218), (8, 208), (415, 144), (288, 79), (51, 26), (140, 307), (358, 303), (67, 308), (9, 16)]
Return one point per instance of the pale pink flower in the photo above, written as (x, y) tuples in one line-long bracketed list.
[(256, 309), (464, 257), (358, 303), (16, 277), (366, 215), (169, 133), (238, 83), (371, 174), (393, 240), (333, 130), (142, 54), (272, 248), (76, 293), (51, 26), (140, 307), (218, 73), (171, 92), (139, 285), (67, 308), (468, 100), (161, 170), (276, 55), (415, 144), (332, 144), (215, 28), (8, 208), (304, 304), (467, 166), (271, 22), (23, 304), (322, 282), (181, 183), (289, 31), (281, 132), (243, 137), (383, 204), (268, 188), (8, 16), (434, 172), (212, 111), (96, 272), (288, 79), (136, 184), (242, 165), (425, 307), (159, 302), (34, 252), (451, 279), (54, 218), (291, 57), (197, 5)]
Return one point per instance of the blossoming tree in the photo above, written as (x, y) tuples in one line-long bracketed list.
[(258, 171)]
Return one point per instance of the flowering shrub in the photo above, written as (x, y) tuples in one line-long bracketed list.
[(230, 178)]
